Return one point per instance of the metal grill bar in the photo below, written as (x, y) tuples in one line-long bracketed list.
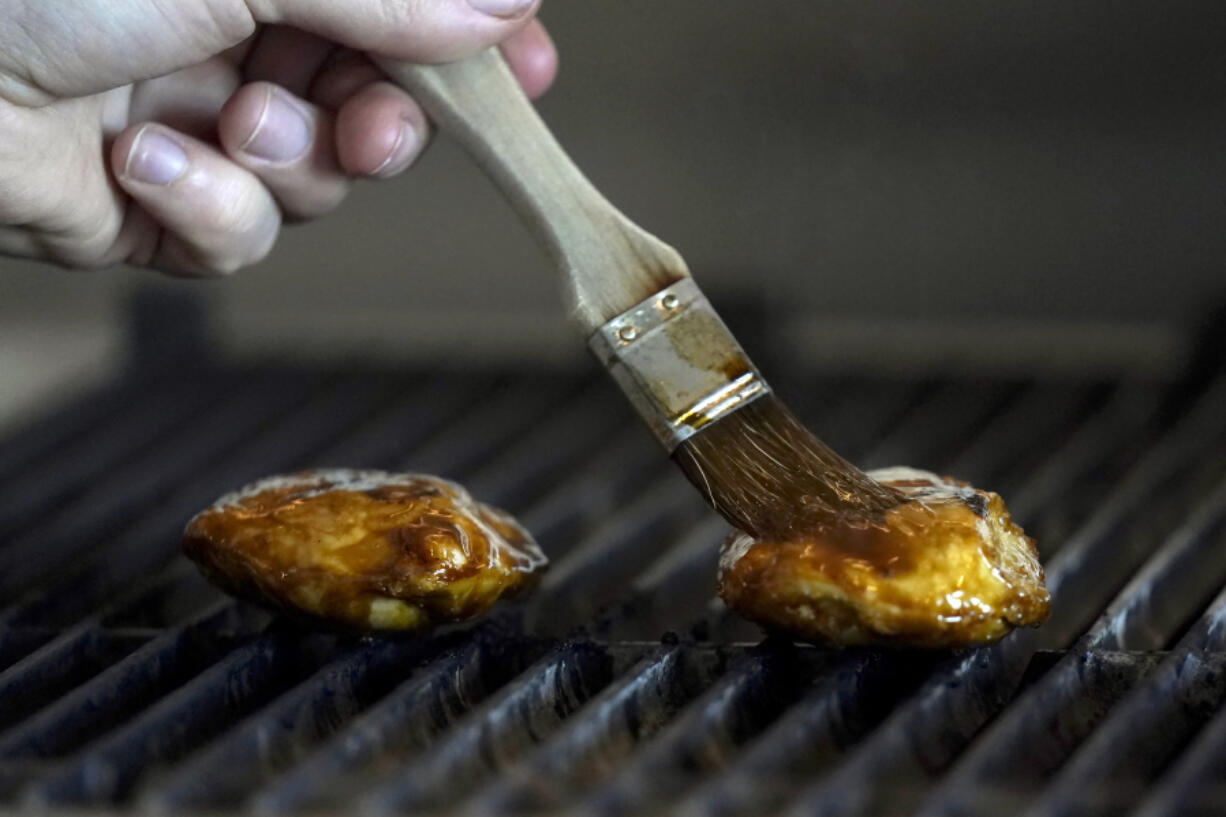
[(407, 720), (1080, 680), (113, 695), (1028, 427), (154, 697), (183, 720), (843, 707), (939, 426), (222, 774), (63, 427), (604, 733), (1194, 786), (495, 732), (1145, 731), (113, 557), (49, 481), (923, 736), (749, 695), (124, 494)]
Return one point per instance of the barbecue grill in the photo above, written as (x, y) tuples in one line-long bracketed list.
[(621, 685)]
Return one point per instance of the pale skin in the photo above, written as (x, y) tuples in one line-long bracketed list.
[(181, 134)]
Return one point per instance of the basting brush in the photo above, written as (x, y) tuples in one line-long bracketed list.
[(646, 320)]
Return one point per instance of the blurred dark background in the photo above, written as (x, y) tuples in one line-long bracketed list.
[(948, 184)]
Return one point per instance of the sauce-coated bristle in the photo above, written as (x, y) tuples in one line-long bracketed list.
[(770, 476)]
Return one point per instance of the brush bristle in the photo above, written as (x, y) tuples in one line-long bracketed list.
[(770, 476)]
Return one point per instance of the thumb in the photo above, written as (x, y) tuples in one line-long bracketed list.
[(50, 50), (418, 30)]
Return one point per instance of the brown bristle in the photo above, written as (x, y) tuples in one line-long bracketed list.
[(770, 476)]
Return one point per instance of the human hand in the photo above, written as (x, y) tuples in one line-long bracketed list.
[(179, 134)]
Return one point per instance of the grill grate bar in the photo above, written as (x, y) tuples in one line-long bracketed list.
[(18, 642), (559, 440), (266, 743), (811, 736), (936, 428), (316, 694), (600, 737), (925, 734), (407, 720), (1074, 696), (748, 696), (123, 494), (485, 429), (569, 510), (103, 697), (496, 731), (112, 696), (185, 791), (1141, 735), (1030, 425), (184, 719), (852, 417), (675, 588), (64, 427), (152, 539), (599, 567), (1127, 415), (1193, 786), (423, 406), (50, 480), (1108, 545), (489, 720), (55, 668)]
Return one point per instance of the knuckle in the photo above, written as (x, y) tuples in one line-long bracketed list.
[(230, 217)]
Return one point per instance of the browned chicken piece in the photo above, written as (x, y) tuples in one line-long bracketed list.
[(946, 568), (365, 549)]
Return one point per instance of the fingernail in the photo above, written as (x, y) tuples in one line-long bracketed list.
[(509, 9), (155, 159), (408, 143), (283, 132)]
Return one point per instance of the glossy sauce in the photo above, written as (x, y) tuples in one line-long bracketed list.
[(945, 567), (364, 548)]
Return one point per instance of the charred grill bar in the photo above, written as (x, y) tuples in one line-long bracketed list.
[(619, 686)]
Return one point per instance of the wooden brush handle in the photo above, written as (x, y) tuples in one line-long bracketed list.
[(609, 263)]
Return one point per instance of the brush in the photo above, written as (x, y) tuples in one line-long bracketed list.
[(647, 321)]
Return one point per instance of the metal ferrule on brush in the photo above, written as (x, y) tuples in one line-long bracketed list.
[(677, 363)]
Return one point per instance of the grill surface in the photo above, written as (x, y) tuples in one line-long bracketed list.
[(620, 686)]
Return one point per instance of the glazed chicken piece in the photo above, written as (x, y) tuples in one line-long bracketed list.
[(945, 568), (364, 549)]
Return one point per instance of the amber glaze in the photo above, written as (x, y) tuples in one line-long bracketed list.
[(364, 549), (946, 567)]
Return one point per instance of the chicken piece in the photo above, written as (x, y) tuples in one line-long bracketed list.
[(365, 549), (946, 568)]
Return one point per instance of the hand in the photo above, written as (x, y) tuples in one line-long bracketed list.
[(178, 134)]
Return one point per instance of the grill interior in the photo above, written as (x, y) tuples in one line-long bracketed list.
[(620, 686)]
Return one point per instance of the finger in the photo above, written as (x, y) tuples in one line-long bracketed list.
[(57, 50), (532, 57), (288, 143), (380, 131), (218, 216), (345, 74), (419, 30), (288, 57), (187, 101)]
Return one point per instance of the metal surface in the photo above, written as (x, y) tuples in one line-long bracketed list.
[(621, 686), (677, 363)]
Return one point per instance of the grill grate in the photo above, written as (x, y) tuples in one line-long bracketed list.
[(620, 686)]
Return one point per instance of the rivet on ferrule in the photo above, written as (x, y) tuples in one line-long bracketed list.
[(677, 362)]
